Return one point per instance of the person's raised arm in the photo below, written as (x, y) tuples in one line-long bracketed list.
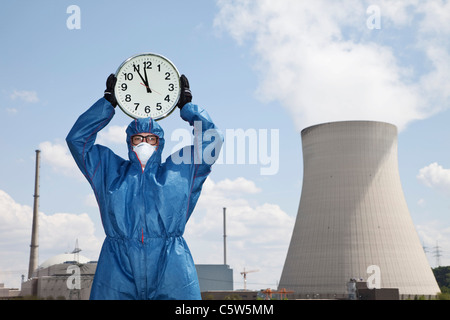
[(81, 138), (208, 139)]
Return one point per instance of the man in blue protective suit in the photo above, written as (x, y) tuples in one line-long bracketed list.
[(144, 203)]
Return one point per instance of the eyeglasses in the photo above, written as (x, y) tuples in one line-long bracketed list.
[(136, 139)]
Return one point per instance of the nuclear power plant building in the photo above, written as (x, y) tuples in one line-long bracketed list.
[(353, 221)]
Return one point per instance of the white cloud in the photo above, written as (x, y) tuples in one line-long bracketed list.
[(397, 12), (436, 84), (91, 201), (435, 176), (57, 234), (112, 134), (60, 230), (319, 59), (58, 156), (258, 235), (237, 186), (26, 96), (437, 16)]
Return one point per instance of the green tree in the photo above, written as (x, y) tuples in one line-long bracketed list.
[(442, 275)]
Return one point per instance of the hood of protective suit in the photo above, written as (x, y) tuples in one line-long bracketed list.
[(145, 125)]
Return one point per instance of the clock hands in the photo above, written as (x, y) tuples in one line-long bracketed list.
[(145, 85), (151, 90), (146, 79), (142, 78)]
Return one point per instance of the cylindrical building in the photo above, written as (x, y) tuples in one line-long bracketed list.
[(353, 216)]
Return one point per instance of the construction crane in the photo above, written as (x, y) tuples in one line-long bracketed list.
[(244, 273)]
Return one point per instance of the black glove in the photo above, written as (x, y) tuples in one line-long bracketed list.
[(186, 95), (109, 92)]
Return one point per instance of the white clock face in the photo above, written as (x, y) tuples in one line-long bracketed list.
[(148, 85)]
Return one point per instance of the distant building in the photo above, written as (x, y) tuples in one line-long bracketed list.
[(61, 277), (6, 293), (214, 277)]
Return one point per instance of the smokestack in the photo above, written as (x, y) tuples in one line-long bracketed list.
[(34, 252), (224, 236)]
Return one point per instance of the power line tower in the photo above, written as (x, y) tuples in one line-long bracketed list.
[(437, 254), (76, 252)]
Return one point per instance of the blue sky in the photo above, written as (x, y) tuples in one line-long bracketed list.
[(258, 66)]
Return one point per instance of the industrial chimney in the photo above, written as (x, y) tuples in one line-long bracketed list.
[(224, 236), (34, 251), (353, 220)]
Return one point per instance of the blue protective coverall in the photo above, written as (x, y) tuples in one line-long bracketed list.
[(144, 211)]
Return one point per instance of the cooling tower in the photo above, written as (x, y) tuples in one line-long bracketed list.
[(353, 215)]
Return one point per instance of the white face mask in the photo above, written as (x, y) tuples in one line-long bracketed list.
[(144, 151)]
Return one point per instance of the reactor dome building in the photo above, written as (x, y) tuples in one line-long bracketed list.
[(353, 221)]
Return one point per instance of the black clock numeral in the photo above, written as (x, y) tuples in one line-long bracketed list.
[(167, 76), (137, 106), (136, 68), (171, 87), (147, 64), (159, 67), (147, 109), (124, 87), (158, 106), (128, 98), (167, 98), (128, 76)]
